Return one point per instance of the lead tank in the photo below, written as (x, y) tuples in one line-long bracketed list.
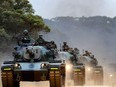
[(32, 63)]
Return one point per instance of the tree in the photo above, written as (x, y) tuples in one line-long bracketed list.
[(16, 15), (3, 33)]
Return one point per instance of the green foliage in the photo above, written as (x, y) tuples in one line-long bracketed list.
[(16, 15), (3, 33), (35, 22)]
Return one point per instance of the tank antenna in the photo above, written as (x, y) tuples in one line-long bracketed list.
[(60, 47), (83, 51)]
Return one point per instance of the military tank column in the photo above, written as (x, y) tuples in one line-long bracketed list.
[(40, 60)]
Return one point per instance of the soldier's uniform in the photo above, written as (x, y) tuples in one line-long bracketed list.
[(86, 53), (65, 47), (16, 54), (22, 37), (76, 51), (53, 45), (40, 41), (53, 50)]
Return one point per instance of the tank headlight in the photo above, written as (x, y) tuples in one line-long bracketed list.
[(110, 75), (44, 65), (17, 66), (88, 69), (68, 67)]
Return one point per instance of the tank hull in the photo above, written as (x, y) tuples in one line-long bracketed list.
[(54, 73)]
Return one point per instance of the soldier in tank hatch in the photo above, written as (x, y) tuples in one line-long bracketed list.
[(16, 54), (22, 37), (53, 45), (40, 41), (65, 47), (87, 53)]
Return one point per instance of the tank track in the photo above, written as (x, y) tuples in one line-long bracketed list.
[(8, 80), (79, 78), (98, 79), (55, 78)]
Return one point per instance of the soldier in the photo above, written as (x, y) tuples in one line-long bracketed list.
[(76, 51), (25, 36), (53, 45), (65, 47), (16, 54), (40, 41), (86, 53), (22, 37), (52, 54), (74, 57)]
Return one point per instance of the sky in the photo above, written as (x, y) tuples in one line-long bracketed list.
[(76, 8)]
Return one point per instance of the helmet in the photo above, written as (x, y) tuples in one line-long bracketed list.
[(65, 43), (76, 49), (25, 32), (52, 42), (86, 51)]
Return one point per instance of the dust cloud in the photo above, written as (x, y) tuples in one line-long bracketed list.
[(108, 76)]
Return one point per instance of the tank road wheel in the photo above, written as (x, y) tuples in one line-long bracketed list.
[(7, 79), (55, 78), (79, 78)]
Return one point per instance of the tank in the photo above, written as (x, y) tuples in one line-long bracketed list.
[(93, 69), (75, 70), (32, 63)]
